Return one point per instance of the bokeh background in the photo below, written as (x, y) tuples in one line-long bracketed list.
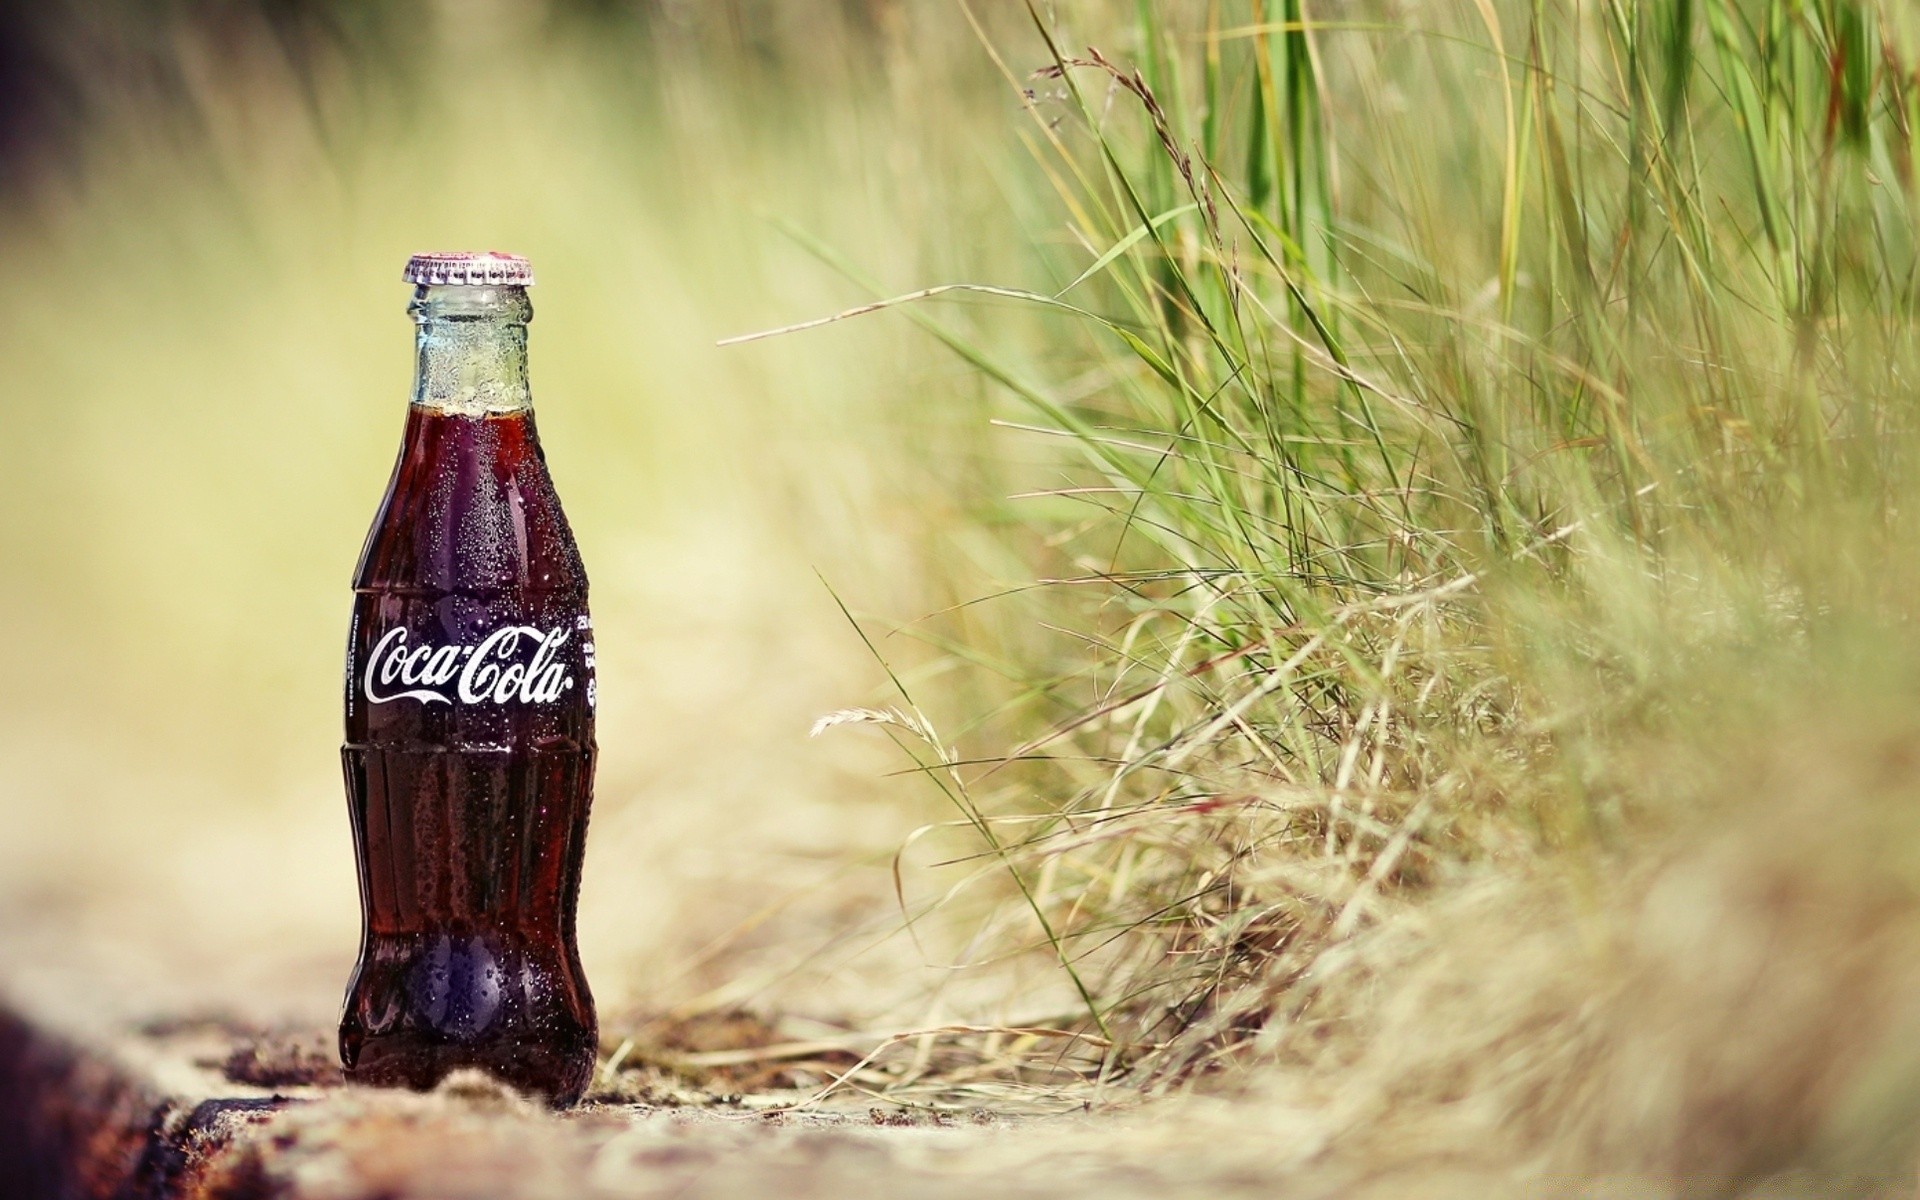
[(204, 209), (1439, 665)]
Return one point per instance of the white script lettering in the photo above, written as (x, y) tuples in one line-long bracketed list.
[(488, 673)]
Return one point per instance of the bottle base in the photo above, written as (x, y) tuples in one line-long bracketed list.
[(557, 1074), (424, 1005)]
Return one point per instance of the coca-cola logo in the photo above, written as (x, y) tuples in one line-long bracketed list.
[(490, 672)]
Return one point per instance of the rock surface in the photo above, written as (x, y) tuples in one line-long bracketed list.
[(211, 1108)]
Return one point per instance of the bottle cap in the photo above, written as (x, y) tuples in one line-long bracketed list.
[(473, 268)]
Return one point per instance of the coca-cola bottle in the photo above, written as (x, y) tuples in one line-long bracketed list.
[(469, 706)]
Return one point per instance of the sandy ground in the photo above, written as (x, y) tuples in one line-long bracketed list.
[(195, 1099)]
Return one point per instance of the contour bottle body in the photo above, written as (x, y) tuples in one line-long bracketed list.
[(470, 701)]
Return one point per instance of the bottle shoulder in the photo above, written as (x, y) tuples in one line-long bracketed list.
[(470, 509)]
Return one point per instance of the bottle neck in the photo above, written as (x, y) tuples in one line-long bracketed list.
[(472, 349)]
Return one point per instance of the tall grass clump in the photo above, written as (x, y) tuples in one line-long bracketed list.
[(1457, 438)]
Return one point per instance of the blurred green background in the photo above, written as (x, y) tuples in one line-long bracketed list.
[(206, 207)]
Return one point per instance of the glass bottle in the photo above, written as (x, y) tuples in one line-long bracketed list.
[(469, 720)]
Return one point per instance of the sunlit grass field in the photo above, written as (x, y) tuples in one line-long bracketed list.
[(1390, 587)]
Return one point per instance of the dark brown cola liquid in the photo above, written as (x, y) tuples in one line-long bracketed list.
[(469, 765)]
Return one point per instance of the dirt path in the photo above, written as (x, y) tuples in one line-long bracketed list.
[(98, 1102)]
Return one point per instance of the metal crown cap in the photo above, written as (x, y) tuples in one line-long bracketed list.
[(472, 268)]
